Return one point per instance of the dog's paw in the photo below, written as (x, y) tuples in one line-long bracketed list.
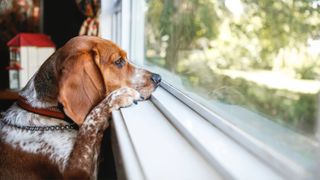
[(122, 97)]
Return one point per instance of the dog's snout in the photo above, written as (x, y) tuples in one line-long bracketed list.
[(156, 78)]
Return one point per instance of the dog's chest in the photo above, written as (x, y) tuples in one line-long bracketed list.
[(56, 145)]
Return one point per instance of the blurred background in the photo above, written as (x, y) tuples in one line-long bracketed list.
[(59, 19)]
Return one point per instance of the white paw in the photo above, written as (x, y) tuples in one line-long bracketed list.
[(122, 97)]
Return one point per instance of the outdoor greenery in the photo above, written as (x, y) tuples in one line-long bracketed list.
[(197, 39)]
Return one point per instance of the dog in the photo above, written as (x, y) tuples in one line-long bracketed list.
[(56, 127)]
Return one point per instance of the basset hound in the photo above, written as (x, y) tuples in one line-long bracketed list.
[(55, 129)]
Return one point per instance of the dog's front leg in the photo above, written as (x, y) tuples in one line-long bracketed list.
[(82, 162)]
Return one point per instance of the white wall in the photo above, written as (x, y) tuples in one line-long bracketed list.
[(31, 60)]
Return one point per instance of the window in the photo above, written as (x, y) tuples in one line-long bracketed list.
[(254, 63), (248, 67), (260, 55)]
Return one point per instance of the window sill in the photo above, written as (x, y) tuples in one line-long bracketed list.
[(164, 139)]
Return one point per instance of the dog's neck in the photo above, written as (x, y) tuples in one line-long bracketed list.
[(18, 116)]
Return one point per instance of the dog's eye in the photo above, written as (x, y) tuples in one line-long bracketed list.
[(120, 63)]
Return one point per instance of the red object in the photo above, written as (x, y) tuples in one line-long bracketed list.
[(31, 39), (15, 66), (50, 112)]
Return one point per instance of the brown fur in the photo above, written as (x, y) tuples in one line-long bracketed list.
[(25, 165)]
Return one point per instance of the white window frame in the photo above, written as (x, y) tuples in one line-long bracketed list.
[(122, 21)]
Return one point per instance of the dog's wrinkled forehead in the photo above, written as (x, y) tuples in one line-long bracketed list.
[(107, 50), (110, 51), (118, 55)]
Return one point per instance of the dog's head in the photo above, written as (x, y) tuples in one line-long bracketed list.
[(86, 69)]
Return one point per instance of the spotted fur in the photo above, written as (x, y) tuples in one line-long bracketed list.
[(137, 77)]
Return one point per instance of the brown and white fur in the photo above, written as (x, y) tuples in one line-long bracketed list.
[(89, 77)]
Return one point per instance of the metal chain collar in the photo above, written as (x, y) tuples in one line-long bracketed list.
[(42, 128)]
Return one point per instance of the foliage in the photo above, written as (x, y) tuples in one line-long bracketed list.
[(249, 39)]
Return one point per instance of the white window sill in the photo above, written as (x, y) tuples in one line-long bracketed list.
[(150, 148), (165, 139)]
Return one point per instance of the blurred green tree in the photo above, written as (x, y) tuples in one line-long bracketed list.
[(180, 23), (278, 24)]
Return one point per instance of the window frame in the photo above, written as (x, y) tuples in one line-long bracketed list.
[(126, 27)]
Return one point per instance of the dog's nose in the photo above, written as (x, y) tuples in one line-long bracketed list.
[(156, 78)]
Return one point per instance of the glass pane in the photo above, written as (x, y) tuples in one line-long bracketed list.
[(254, 62)]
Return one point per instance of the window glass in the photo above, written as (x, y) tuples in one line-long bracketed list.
[(254, 62)]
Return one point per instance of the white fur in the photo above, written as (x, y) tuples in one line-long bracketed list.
[(137, 77), (56, 144), (129, 95)]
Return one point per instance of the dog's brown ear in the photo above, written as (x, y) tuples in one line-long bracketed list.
[(81, 86)]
